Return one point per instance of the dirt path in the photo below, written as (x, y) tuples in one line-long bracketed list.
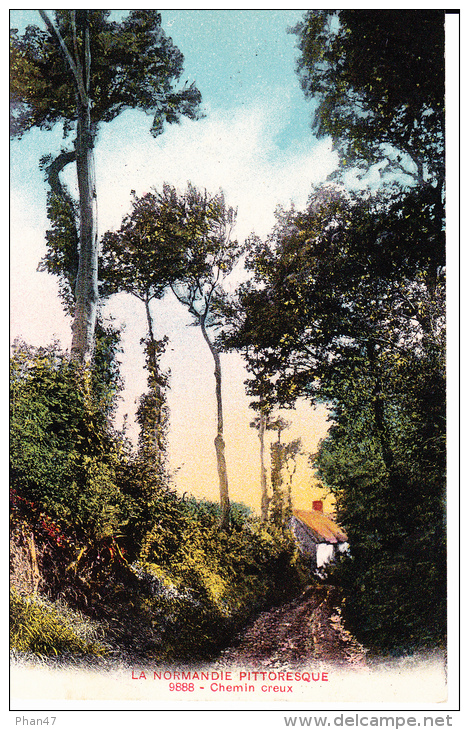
[(307, 629)]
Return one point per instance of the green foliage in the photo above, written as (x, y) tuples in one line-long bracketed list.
[(395, 600), (62, 454), (205, 511), (392, 506), (40, 627), (209, 582), (210, 253), (61, 258), (135, 66), (169, 237), (327, 280), (279, 506), (378, 78), (106, 382), (152, 412), (346, 306), (148, 252), (152, 570), (283, 458)]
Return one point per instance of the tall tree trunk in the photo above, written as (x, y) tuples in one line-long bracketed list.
[(86, 290), (219, 440), (276, 459), (154, 382), (264, 495)]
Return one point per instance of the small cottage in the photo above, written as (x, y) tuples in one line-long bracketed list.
[(318, 535)]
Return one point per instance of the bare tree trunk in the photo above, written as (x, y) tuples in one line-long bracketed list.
[(86, 290), (151, 337), (219, 440)]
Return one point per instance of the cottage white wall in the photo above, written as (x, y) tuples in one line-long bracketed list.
[(320, 553), (324, 554)]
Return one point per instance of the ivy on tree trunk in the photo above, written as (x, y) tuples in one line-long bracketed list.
[(86, 289)]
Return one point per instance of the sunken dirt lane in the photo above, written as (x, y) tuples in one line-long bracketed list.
[(307, 629)]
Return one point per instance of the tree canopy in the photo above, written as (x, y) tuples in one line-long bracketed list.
[(346, 305), (148, 251), (329, 279), (378, 77), (180, 241), (135, 65), (81, 71)]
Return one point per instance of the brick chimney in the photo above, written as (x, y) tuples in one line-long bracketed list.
[(317, 505)]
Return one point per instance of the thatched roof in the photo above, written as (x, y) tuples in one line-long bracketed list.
[(323, 529)]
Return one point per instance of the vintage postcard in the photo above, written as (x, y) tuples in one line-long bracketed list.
[(231, 487)]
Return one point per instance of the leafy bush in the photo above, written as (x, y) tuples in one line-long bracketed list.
[(63, 456), (153, 569), (213, 581)]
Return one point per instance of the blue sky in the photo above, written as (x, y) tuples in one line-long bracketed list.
[(233, 56), (255, 143), (244, 64), (237, 55)]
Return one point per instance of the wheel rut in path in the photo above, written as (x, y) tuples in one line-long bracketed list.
[(306, 630)]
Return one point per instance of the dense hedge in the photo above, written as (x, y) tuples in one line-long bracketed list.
[(394, 581)]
